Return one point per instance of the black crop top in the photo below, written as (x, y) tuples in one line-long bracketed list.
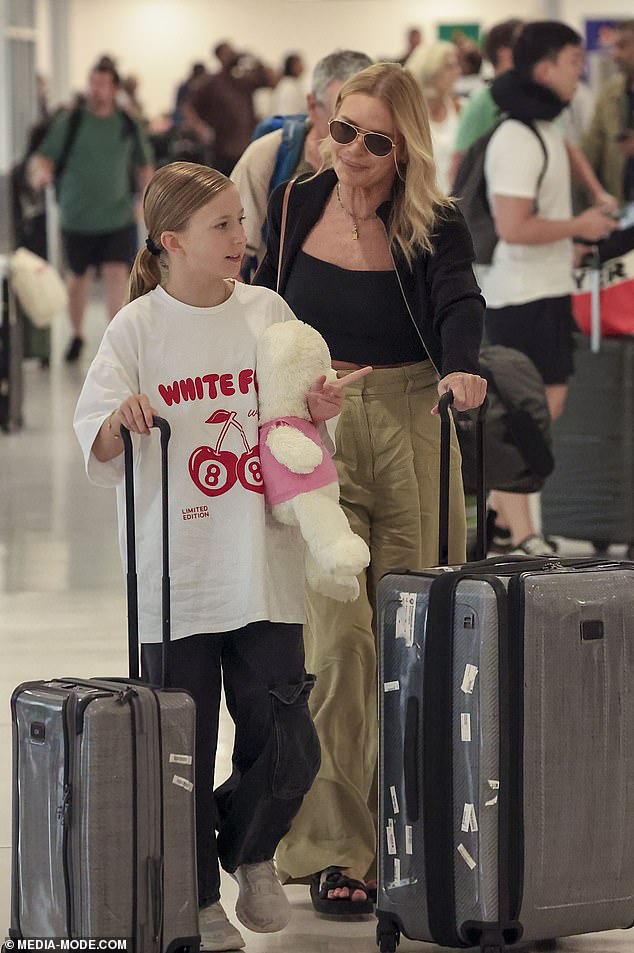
[(361, 314)]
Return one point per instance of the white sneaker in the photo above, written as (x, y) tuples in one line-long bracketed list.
[(534, 546), (216, 932), (262, 902)]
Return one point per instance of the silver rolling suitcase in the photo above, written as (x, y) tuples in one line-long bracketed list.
[(103, 811), (506, 764)]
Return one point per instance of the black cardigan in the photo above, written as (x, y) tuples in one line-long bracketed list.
[(439, 288)]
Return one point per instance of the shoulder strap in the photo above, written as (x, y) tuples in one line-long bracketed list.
[(74, 122), (287, 192), (530, 125)]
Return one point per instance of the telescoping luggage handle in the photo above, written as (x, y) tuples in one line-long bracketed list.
[(131, 575), (444, 405)]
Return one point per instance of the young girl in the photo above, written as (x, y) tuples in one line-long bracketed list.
[(184, 348)]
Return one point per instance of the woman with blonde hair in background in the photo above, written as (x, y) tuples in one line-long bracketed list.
[(436, 69), (379, 261)]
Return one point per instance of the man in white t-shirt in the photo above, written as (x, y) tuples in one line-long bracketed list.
[(529, 282)]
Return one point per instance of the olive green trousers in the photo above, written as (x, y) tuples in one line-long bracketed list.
[(387, 458)]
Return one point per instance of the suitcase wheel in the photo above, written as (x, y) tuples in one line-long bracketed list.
[(388, 936)]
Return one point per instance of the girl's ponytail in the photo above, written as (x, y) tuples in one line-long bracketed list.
[(145, 274)]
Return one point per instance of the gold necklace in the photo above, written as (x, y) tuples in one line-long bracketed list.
[(364, 218)]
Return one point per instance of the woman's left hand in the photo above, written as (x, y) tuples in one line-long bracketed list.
[(469, 390), (325, 398)]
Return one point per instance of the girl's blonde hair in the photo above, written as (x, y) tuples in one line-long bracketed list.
[(416, 199), (173, 194)]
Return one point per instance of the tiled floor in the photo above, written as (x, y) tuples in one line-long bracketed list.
[(62, 611)]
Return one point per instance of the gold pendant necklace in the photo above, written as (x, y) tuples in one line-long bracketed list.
[(365, 218)]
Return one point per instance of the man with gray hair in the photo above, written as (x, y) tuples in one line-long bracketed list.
[(254, 173)]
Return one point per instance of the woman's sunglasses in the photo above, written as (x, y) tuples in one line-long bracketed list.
[(376, 143)]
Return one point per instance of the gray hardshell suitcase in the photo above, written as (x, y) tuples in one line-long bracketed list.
[(505, 759), (103, 815), (591, 493)]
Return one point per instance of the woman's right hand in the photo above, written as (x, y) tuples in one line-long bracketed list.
[(136, 413)]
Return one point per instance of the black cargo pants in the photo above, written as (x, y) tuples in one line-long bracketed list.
[(275, 753)]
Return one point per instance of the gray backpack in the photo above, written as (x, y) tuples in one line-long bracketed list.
[(518, 442), (470, 187)]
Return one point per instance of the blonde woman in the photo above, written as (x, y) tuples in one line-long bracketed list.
[(184, 347), (379, 261), (436, 69)]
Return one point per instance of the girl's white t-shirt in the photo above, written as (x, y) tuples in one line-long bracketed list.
[(513, 163), (231, 563)]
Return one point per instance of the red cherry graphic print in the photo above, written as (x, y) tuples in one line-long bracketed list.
[(249, 469), (214, 471)]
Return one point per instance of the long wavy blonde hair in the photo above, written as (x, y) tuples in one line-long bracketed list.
[(417, 200), (173, 194)]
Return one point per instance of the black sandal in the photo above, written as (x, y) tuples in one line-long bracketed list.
[(338, 906)]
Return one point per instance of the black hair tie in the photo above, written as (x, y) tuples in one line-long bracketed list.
[(152, 247)]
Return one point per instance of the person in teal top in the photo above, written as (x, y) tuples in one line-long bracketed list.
[(99, 158), (480, 113)]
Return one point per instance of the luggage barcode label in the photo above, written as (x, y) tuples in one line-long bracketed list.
[(468, 682), (469, 818), (391, 686), (395, 807), (391, 837), (397, 870), (182, 783), (409, 846), (466, 856), (495, 786), (181, 759), (406, 617), (465, 726)]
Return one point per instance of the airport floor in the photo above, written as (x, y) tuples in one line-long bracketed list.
[(62, 612)]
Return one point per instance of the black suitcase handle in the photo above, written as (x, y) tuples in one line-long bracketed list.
[(444, 405), (131, 575)]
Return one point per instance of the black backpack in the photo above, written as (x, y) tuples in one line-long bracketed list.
[(470, 187), (518, 440)]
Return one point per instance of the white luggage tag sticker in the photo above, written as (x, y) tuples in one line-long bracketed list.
[(391, 837), (406, 617), (391, 686), (495, 786), (469, 818), (394, 797), (468, 682), (409, 846), (466, 856), (397, 871), (181, 759), (182, 783), (465, 726)]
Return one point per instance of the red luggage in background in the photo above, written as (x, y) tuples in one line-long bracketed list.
[(608, 277)]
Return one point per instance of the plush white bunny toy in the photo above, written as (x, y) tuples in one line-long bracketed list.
[(300, 479)]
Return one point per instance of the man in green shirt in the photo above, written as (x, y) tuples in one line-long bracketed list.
[(98, 157)]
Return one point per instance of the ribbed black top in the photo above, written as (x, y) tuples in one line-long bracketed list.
[(361, 314)]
